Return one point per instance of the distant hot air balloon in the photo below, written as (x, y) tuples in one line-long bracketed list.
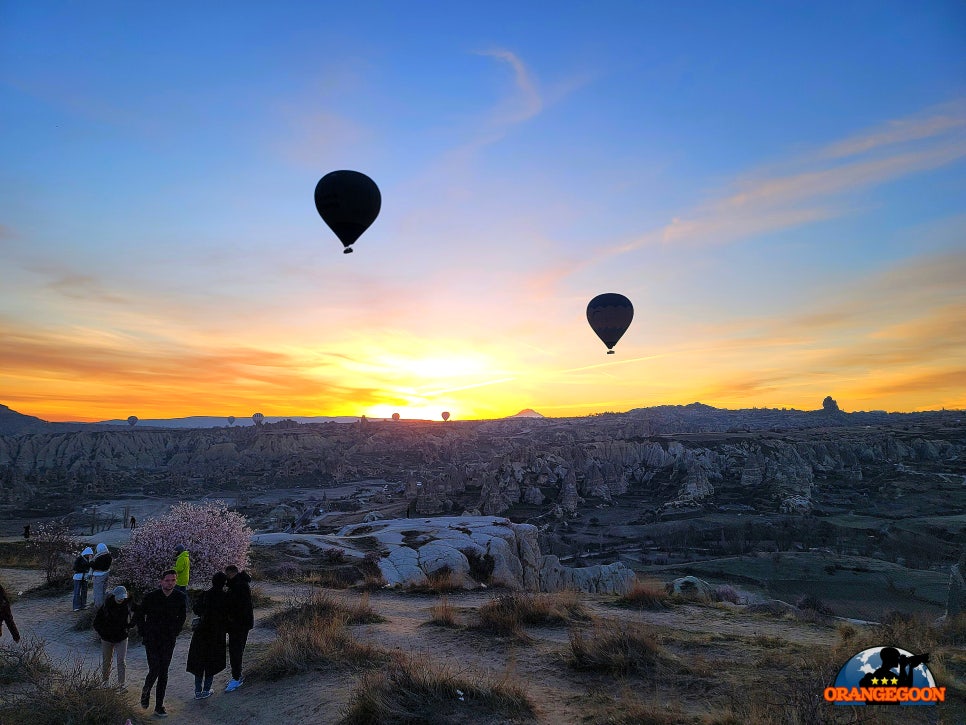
[(610, 315), (445, 415), (258, 418), (132, 420), (231, 420), (395, 416), (349, 202)]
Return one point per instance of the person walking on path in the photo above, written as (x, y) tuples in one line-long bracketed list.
[(206, 654), (160, 619), (182, 567), (241, 619), (6, 616), (100, 568), (82, 568), (112, 622)]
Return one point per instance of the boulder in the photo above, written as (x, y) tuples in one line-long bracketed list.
[(690, 587)]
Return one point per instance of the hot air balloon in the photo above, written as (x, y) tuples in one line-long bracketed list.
[(610, 315), (258, 418), (445, 415), (132, 420), (349, 202), (395, 416), (231, 420)]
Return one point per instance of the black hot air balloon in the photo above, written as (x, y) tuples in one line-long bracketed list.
[(349, 202), (132, 420), (445, 415), (231, 420), (610, 315)]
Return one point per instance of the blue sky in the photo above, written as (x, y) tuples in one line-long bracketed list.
[(778, 187)]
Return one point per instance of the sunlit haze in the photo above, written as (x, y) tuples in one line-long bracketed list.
[(777, 187)]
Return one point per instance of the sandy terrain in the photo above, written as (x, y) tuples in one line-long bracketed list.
[(320, 697)]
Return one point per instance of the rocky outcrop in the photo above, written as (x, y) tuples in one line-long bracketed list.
[(473, 549)]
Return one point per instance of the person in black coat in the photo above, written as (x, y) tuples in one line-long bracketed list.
[(160, 619), (111, 623), (6, 616), (206, 654), (241, 619)]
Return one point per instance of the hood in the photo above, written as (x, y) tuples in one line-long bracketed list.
[(102, 548), (87, 552)]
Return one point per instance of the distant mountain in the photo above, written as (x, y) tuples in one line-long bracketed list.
[(209, 421), (527, 413), (12, 422)]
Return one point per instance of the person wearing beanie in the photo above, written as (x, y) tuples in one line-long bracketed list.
[(82, 568), (100, 568), (182, 567), (111, 623)]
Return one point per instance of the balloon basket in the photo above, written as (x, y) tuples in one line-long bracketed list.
[(347, 250), (610, 352)]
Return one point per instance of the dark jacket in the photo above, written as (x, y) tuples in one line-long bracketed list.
[(6, 616), (102, 562), (241, 613), (113, 620), (160, 618), (82, 565), (206, 653)]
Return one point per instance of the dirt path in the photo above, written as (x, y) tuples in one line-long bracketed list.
[(321, 696)]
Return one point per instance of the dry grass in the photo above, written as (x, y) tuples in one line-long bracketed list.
[(312, 642), (646, 594), (320, 604), (443, 581), (508, 613), (628, 708), (443, 614), (410, 690), (38, 691), (616, 647)]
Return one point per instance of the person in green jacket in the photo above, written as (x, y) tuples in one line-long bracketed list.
[(182, 567)]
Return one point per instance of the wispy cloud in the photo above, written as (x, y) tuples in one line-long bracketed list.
[(527, 102), (821, 187)]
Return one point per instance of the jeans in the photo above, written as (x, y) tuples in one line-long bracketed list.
[(203, 686), (119, 651), (236, 650), (80, 594), (159, 659)]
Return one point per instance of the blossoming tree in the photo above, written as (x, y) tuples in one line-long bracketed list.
[(213, 536)]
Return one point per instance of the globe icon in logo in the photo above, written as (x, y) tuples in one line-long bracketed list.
[(868, 661)]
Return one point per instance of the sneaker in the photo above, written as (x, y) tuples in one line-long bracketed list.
[(233, 685), (206, 693), (145, 698), (197, 695), (160, 712)]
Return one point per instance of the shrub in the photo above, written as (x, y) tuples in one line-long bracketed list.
[(508, 613), (412, 690), (53, 545), (213, 535), (320, 605), (646, 594), (442, 613), (311, 640), (619, 648), (438, 582), (45, 693)]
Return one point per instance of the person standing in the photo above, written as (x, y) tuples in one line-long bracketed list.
[(241, 619), (182, 567), (82, 567), (6, 616), (160, 619), (100, 568), (112, 622), (206, 654)]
